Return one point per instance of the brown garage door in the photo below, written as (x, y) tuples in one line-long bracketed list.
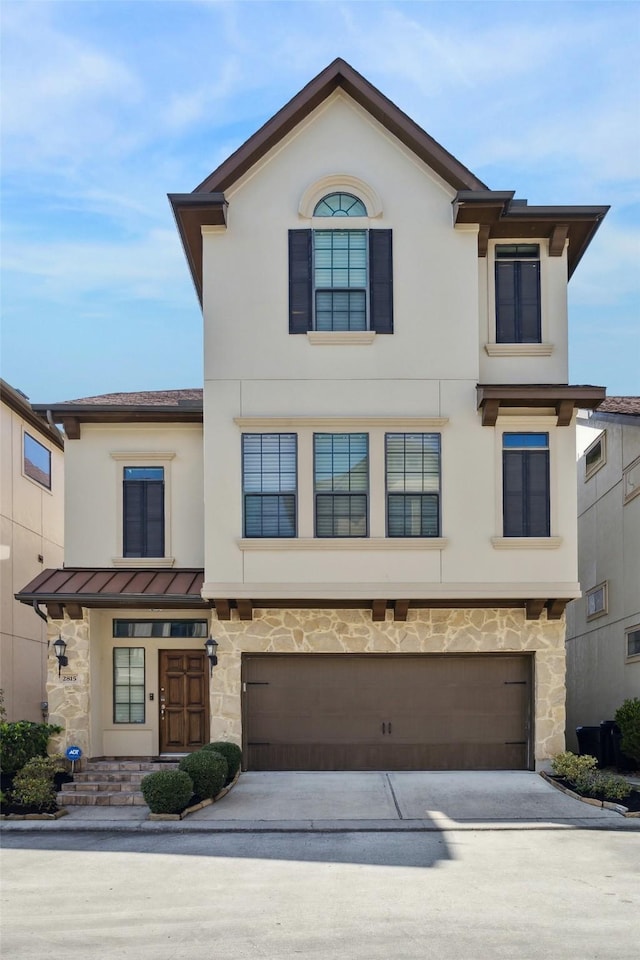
[(343, 712)]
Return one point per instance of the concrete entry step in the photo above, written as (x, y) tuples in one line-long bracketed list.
[(111, 782)]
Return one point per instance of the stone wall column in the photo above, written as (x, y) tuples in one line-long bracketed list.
[(70, 702)]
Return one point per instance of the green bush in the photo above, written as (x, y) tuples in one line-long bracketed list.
[(21, 741), (34, 790), (602, 786), (570, 767), (45, 767), (167, 791), (208, 770), (628, 719), (232, 754)]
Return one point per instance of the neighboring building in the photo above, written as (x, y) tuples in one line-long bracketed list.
[(603, 626), (381, 534), (31, 504)]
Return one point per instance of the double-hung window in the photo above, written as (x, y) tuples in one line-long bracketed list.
[(341, 484), (525, 484), (517, 286), (413, 484), (128, 685), (340, 279), (143, 512), (269, 484)]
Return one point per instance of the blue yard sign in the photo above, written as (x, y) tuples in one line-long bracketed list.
[(73, 753)]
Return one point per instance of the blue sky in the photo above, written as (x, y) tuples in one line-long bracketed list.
[(110, 105)]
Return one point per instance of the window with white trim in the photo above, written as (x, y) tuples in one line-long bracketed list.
[(269, 484), (517, 293), (595, 456), (632, 643), (413, 484), (597, 601), (341, 484), (526, 485), (128, 685), (143, 512)]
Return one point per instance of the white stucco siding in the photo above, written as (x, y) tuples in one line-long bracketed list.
[(94, 489)]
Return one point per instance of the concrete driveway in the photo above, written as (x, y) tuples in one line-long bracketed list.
[(444, 798)]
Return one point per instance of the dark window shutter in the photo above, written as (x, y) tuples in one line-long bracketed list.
[(505, 302), (381, 281), (525, 484), (133, 512), (300, 280), (154, 546), (529, 302)]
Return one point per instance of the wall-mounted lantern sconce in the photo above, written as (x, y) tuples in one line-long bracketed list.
[(60, 648), (211, 647)]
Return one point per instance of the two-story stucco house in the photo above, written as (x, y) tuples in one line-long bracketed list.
[(372, 509), (32, 517)]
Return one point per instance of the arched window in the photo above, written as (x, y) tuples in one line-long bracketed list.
[(340, 205)]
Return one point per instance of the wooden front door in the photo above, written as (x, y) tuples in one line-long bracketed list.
[(184, 701)]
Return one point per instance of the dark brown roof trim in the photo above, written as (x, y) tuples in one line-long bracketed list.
[(564, 398), (192, 212), (340, 74), (20, 405), (72, 415), (502, 217)]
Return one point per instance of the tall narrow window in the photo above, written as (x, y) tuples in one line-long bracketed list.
[(341, 483), (525, 484), (128, 685), (340, 279), (413, 484), (269, 484), (36, 461), (518, 293), (143, 512)]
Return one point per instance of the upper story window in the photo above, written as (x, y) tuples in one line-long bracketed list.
[(143, 512), (595, 456), (340, 279), (597, 601), (525, 484), (517, 276), (269, 484), (36, 462), (413, 484), (341, 484), (340, 205)]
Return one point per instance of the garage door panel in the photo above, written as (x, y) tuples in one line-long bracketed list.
[(349, 712)]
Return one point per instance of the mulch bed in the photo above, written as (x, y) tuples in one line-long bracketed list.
[(24, 809), (632, 802)]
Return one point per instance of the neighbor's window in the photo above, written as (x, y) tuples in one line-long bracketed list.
[(597, 601), (631, 480), (413, 484), (595, 456), (517, 279), (36, 461), (341, 484), (128, 685), (525, 484), (633, 642), (160, 628), (269, 484), (143, 512), (340, 205)]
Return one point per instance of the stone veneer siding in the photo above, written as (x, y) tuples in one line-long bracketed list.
[(335, 631), (70, 703), (425, 631)]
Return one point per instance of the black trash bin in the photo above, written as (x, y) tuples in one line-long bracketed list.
[(589, 742), (607, 748)]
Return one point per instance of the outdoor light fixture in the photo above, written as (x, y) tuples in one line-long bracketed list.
[(60, 648), (211, 646)]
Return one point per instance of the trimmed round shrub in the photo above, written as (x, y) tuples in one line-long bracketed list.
[(628, 719), (232, 754), (208, 770), (570, 766), (167, 791), (34, 788)]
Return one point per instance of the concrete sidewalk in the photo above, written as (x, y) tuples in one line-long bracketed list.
[(377, 801)]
